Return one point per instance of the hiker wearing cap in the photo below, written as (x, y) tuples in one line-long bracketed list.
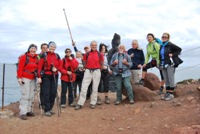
[(93, 62), (105, 72), (27, 68), (137, 58), (152, 51), (169, 60), (48, 77), (121, 63), (67, 69)]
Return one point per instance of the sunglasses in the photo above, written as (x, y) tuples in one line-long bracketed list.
[(164, 37), (68, 51)]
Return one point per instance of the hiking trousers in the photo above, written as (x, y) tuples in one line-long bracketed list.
[(136, 75), (49, 91), (168, 74), (94, 76), (27, 95)]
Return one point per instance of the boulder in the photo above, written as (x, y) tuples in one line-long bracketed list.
[(184, 91), (152, 82), (142, 93)]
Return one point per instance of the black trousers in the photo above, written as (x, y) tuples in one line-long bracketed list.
[(65, 86), (152, 64), (104, 83), (49, 90), (78, 84)]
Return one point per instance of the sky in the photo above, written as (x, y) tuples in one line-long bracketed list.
[(24, 22)]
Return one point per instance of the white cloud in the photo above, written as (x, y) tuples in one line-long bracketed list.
[(24, 22)]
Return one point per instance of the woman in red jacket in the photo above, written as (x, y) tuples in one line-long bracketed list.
[(67, 69), (48, 77), (27, 79)]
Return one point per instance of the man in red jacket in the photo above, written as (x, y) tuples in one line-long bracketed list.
[(93, 63), (67, 69)]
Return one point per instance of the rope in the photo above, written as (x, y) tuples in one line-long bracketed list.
[(190, 50), (188, 68)]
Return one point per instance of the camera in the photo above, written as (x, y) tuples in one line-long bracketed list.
[(120, 70), (51, 67), (35, 72)]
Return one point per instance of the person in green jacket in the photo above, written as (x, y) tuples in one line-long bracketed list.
[(153, 49)]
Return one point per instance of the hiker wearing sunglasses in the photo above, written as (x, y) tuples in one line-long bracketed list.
[(169, 60)]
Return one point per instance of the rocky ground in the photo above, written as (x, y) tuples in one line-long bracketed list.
[(178, 116)]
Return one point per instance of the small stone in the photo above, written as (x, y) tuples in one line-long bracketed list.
[(120, 129), (99, 125), (196, 126), (198, 88), (193, 101), (128, 127), (177, 104), (113, 119), (166, 126), (146, 114), (190, 98), (103, 118)]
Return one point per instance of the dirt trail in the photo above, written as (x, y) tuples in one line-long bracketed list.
[(159, 117)]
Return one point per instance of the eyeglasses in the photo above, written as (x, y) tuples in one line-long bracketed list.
[(164, 37), (68, 51)]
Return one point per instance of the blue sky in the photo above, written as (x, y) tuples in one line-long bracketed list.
[(24, 22)]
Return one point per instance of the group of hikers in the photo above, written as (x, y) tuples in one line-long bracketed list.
[(90, 72)]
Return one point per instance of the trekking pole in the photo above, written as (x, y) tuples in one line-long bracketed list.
[(57, 97), (70, 78), (68, 26), (40, 103)]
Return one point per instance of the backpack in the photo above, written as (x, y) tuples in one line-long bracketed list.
[(44, 55), (99, 55), (27, 60)]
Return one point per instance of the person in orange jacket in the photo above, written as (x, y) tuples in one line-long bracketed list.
[(27, 68), (68, 76)]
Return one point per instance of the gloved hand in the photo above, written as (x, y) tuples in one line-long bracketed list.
[(20, 81)]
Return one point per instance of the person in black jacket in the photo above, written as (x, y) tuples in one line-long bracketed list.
[(137, 58), (168, 54)]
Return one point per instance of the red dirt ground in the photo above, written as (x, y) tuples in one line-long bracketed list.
[(158, 117)]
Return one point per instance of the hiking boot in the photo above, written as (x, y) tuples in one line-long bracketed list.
[(164, 96), (48, 114), (77, 107), (131, 102), (23, 117), (98, 100), (107, 100), (63, 106), (73, 104), (52, 112), (92, 106), (160, 91), (141, 82), (117, 102), (30, 114), (169, 97)]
